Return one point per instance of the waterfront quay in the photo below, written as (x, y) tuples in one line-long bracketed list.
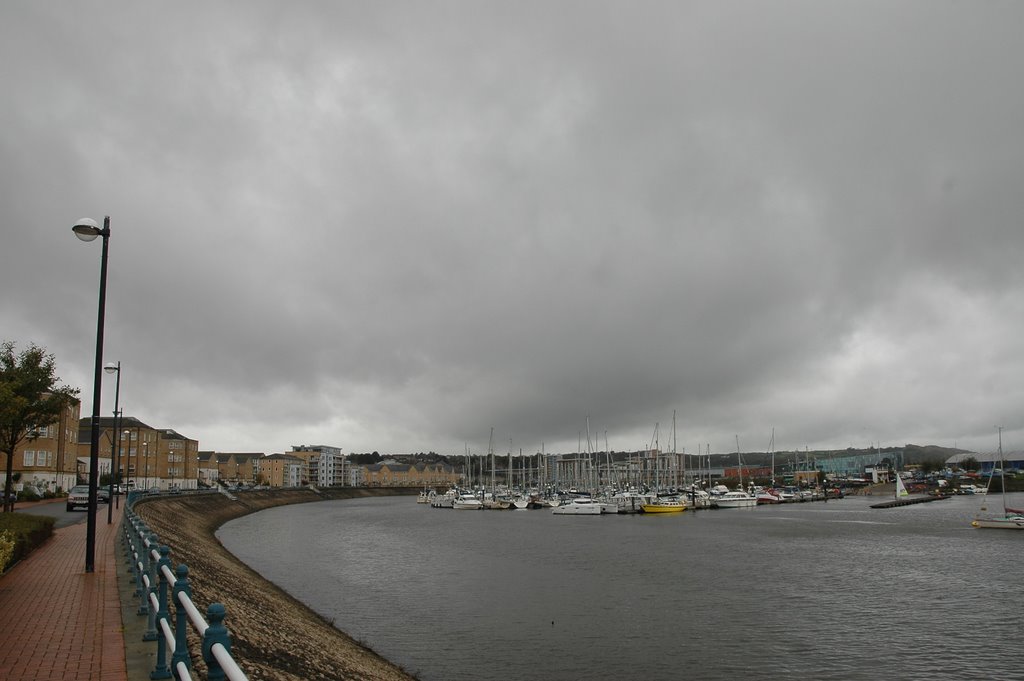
[(59, 621), (63, 623)]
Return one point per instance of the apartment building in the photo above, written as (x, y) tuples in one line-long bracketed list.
[(144, 456), (280, 470), (326, 465), (48, 458), (394, 474), (230, 467)]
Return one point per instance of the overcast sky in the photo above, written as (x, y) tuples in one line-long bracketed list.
[(393, 226)]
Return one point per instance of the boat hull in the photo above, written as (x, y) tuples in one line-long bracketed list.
[(575, 508), (727, 501), (663, 508), (1014, 523)]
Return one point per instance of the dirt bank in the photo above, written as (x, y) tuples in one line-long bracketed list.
[(274, 636)]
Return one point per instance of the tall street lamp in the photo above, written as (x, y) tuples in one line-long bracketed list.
[(115, 440), (86, 229), (135, 478), (147, 467)]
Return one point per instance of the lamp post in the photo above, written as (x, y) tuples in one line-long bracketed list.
[(115, 441), (135, 478), (86, 229), (123, 460), (147, 467)]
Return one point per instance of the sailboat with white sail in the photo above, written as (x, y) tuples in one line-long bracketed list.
[(901, 488)]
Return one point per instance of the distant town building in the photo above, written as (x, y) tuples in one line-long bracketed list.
[(231, 467), (280, 470), (326, 465), (394, 474), (987, 462)]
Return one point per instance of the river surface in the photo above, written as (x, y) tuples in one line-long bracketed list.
[(822, 590)]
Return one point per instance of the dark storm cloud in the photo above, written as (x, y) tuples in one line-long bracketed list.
[(395, 226)]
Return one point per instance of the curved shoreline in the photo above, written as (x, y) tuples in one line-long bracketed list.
[(274, 636)]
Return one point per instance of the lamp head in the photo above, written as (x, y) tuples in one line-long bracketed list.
[(86, 229), (112, 368)]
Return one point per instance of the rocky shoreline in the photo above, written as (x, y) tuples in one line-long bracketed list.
[(274, 636)]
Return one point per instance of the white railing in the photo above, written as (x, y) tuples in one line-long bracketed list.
[(151, 566)]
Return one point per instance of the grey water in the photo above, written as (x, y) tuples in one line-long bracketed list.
[(824, 590)]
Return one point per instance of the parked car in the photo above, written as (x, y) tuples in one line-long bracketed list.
[(78, 496)]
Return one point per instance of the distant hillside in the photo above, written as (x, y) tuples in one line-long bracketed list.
[(912, 454), (794, 460), (929, 453)]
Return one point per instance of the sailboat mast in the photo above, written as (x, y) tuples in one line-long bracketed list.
[(675, 452), (739, 461), (1002, 468), (490, 452)]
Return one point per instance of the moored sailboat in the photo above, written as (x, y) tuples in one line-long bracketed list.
[(467, 502), (578, 506), (664, 505), (1011, 519)]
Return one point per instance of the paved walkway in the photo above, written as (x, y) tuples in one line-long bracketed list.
[(60, 622)]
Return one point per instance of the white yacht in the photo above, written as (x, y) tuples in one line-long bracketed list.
[(578, 506), (631, 502), (467, 502), (735, 500)]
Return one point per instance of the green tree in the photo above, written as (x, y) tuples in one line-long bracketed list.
[(970, 464), (30, 397)]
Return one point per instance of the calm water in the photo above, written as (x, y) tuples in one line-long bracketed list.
[(830, 590)]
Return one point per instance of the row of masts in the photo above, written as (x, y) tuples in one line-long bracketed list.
[(649, 468)]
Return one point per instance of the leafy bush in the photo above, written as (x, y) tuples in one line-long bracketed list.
[(30, 493), (6, 549), (27, 533)]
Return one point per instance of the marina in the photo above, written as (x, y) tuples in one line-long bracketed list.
[(833, 590)]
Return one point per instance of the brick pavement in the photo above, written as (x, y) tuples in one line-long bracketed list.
[(60, 622)]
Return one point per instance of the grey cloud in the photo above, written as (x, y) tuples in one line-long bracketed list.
[(395, 226)]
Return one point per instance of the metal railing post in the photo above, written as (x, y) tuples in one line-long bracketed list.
[(155, 597), (141, 569), (130, 534), (181, 586), (215, 633), (151, 570), (162, 671)]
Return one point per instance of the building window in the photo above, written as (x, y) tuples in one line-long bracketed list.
[(30, 458)]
